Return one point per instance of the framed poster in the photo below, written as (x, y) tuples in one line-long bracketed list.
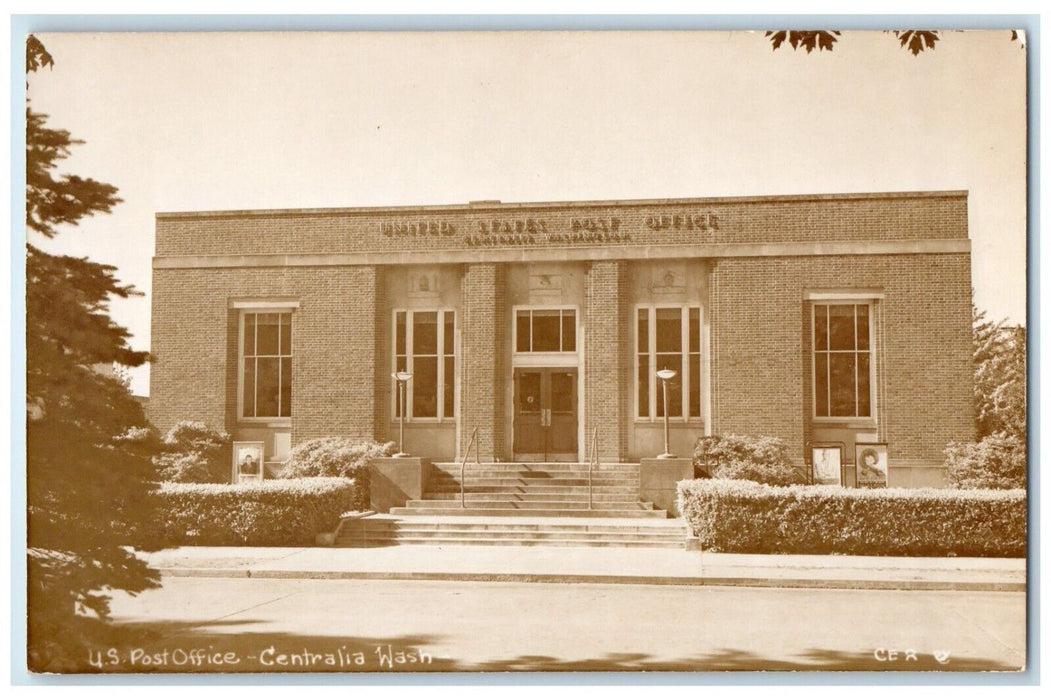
[(826, 460), (870, 460), (248, 462)]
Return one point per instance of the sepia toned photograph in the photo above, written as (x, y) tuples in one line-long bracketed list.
[(399, 352)]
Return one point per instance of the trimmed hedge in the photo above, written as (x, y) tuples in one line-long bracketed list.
[(278, 512), (743, 516)]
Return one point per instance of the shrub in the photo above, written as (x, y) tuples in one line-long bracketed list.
[(742, 516), (194, 453), (998, 461), (277, 512), (195, 436), (142, 436), (190, 468), (336, 456), (762, 459)]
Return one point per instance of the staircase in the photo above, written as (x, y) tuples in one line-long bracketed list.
[(390, 530), (555, 489), (514, 503)]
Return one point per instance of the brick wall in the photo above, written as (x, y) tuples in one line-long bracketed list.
[(876, 217), (383, 370), (760, 372), (605, 294), (761, 346), (484, 370), (194, 375)]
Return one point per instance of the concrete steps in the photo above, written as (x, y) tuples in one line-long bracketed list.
[(479, 484), (504, 510), (477, 497), (545, 508), (454, 467), (440, 489), (543, 489), (391, 530)]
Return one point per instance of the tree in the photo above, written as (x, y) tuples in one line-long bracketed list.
[(998, 459), (999, 377), (913, 40), (88, 475)]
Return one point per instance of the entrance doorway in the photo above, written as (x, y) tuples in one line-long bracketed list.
[(545, 428)]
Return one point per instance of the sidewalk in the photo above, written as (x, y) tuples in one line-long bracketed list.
[(594, 565)]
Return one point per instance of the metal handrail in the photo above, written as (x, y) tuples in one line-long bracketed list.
[(463, 464), (593, 463)]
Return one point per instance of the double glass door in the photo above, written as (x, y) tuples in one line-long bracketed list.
[(545, 426)]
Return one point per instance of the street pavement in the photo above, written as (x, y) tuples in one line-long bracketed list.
[(639, 565), (207, 624)]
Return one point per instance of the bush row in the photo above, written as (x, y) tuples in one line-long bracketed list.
[(744, 516), (280, 512)]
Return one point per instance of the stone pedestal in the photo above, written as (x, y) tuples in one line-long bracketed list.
[(658, 480), (395, 480)]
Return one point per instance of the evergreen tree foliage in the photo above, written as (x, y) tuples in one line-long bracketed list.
[(87, 473)]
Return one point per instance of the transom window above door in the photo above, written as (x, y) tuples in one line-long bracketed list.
[(545, 330)]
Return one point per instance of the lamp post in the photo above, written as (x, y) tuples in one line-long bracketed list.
[(403, 380), (664, 375)]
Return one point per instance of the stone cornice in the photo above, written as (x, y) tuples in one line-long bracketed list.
[(569, 253)]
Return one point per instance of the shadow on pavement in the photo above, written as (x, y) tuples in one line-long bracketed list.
[(740, 660), (203, 647)]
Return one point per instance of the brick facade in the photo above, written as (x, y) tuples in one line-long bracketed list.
[(482, 369), (195, 374), (878, 217), (607, 356), (761, 350), (754, 260)]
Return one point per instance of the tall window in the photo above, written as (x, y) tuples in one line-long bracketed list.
[(842, 361), (545, 330), (423, 346), (266, 364), (668, 337)]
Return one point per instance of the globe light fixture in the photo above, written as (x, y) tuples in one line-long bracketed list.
[(403, 380), (665, 375)]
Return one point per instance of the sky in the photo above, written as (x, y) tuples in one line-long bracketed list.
[(185, 122)]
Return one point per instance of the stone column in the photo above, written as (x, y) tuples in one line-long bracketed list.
[(606, 358), (482, 366)]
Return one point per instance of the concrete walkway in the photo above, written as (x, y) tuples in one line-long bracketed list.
[(594, 565)]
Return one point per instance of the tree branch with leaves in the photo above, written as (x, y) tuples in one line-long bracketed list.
[(915, 41)]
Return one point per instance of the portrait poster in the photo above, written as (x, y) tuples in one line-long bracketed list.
[(827, 463), (248, 461), (870, 460)]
